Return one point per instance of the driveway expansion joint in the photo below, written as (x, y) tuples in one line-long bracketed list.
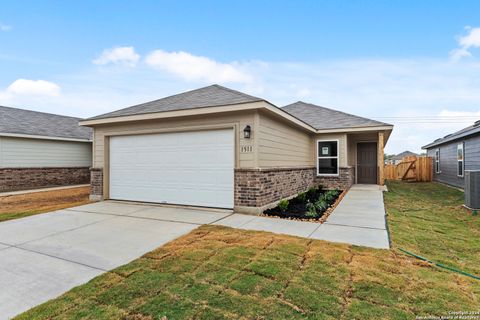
[(59, 258)]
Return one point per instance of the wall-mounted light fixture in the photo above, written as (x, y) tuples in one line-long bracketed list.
[(247, 132)]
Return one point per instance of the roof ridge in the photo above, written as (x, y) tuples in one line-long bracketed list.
[(204, 93), (236, 92), (471, 129), (46, 113)]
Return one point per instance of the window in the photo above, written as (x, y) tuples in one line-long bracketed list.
[(460, 162), (437, 161), (327, 157)]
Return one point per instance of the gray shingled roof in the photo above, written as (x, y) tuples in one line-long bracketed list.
[(324, 118), (470, 130), (211, 96), (19, 121), (402, 155)]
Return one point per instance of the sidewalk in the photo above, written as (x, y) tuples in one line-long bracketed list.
[(359, 219), (14, 193)]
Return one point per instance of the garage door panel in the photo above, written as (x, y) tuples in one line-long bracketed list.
[(193, 168)]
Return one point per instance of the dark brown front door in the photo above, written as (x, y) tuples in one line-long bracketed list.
[(367, 162)]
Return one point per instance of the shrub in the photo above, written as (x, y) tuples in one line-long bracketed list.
[(312, 190), (311, 211), (283, 205), (302, 196), (321, 205), (330, 195)]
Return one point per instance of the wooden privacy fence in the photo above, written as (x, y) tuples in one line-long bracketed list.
[(410, 169)]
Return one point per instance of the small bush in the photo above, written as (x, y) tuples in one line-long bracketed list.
[(330, 195), (302, 196), (321, 205), (311, 211), (283, 205)]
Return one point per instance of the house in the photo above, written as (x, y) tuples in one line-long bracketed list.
[(396, 159), (455, 153), (41, 150), (217, 147)]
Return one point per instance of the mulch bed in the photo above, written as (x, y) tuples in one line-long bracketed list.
[(299, 206)]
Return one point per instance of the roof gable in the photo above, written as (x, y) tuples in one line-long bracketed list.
[(26, 122), (324, 118), (211, 96)]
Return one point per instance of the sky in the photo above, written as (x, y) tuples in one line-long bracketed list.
[(415, 64)]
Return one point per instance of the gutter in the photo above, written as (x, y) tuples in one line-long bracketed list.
[(31, 136)]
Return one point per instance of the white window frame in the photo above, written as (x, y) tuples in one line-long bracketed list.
[(437, 161), (462, 144), (336, 157)]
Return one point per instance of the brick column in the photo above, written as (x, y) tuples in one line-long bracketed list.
[(96, 184)]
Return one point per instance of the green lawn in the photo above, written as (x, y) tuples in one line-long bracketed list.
[(221, 273)]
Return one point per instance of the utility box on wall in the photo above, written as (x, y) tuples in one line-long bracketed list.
[(472, 189)]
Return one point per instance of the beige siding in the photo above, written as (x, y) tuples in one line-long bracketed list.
[(282, 145), (343, 150), (232, 119), (23, 153)]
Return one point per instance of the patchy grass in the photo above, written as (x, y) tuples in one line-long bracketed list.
[(428, 219), (23, 205), (222, 273)]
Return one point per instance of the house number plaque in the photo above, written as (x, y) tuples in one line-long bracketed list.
[(246, 149)]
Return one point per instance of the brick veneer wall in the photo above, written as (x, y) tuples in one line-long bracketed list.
[(343, 181), (13, 179), (259, 187), (96, 183)]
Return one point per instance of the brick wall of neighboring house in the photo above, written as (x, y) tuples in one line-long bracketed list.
[(260, 187), (13, 179), (96, 184)]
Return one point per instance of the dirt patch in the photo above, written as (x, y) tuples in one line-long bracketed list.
[(21, 205)]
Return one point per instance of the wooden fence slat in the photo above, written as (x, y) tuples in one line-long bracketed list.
[(411, 168)]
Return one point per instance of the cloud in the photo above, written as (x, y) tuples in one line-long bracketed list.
[(34, 87), (418, 89), (125, 56), (466, 42), (197, 68), (5, 27)]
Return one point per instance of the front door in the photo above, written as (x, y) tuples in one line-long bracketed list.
[(367, 162)]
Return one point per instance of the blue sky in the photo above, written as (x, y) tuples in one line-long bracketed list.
[(397, 61)]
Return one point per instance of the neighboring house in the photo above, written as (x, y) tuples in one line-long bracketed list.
[(42, 150), (216, 147), (396, 159), (455, 153)]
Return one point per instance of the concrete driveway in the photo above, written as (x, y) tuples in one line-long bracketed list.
[(45, 255)]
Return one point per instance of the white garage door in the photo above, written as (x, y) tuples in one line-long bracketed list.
[(191, 168)]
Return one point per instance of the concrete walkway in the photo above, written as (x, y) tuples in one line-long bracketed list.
[(14, 193), (359, 219)]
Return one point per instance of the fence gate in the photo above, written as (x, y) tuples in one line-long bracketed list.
[(415, 169)]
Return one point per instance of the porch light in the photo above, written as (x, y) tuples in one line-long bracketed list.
[(247, 132)]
